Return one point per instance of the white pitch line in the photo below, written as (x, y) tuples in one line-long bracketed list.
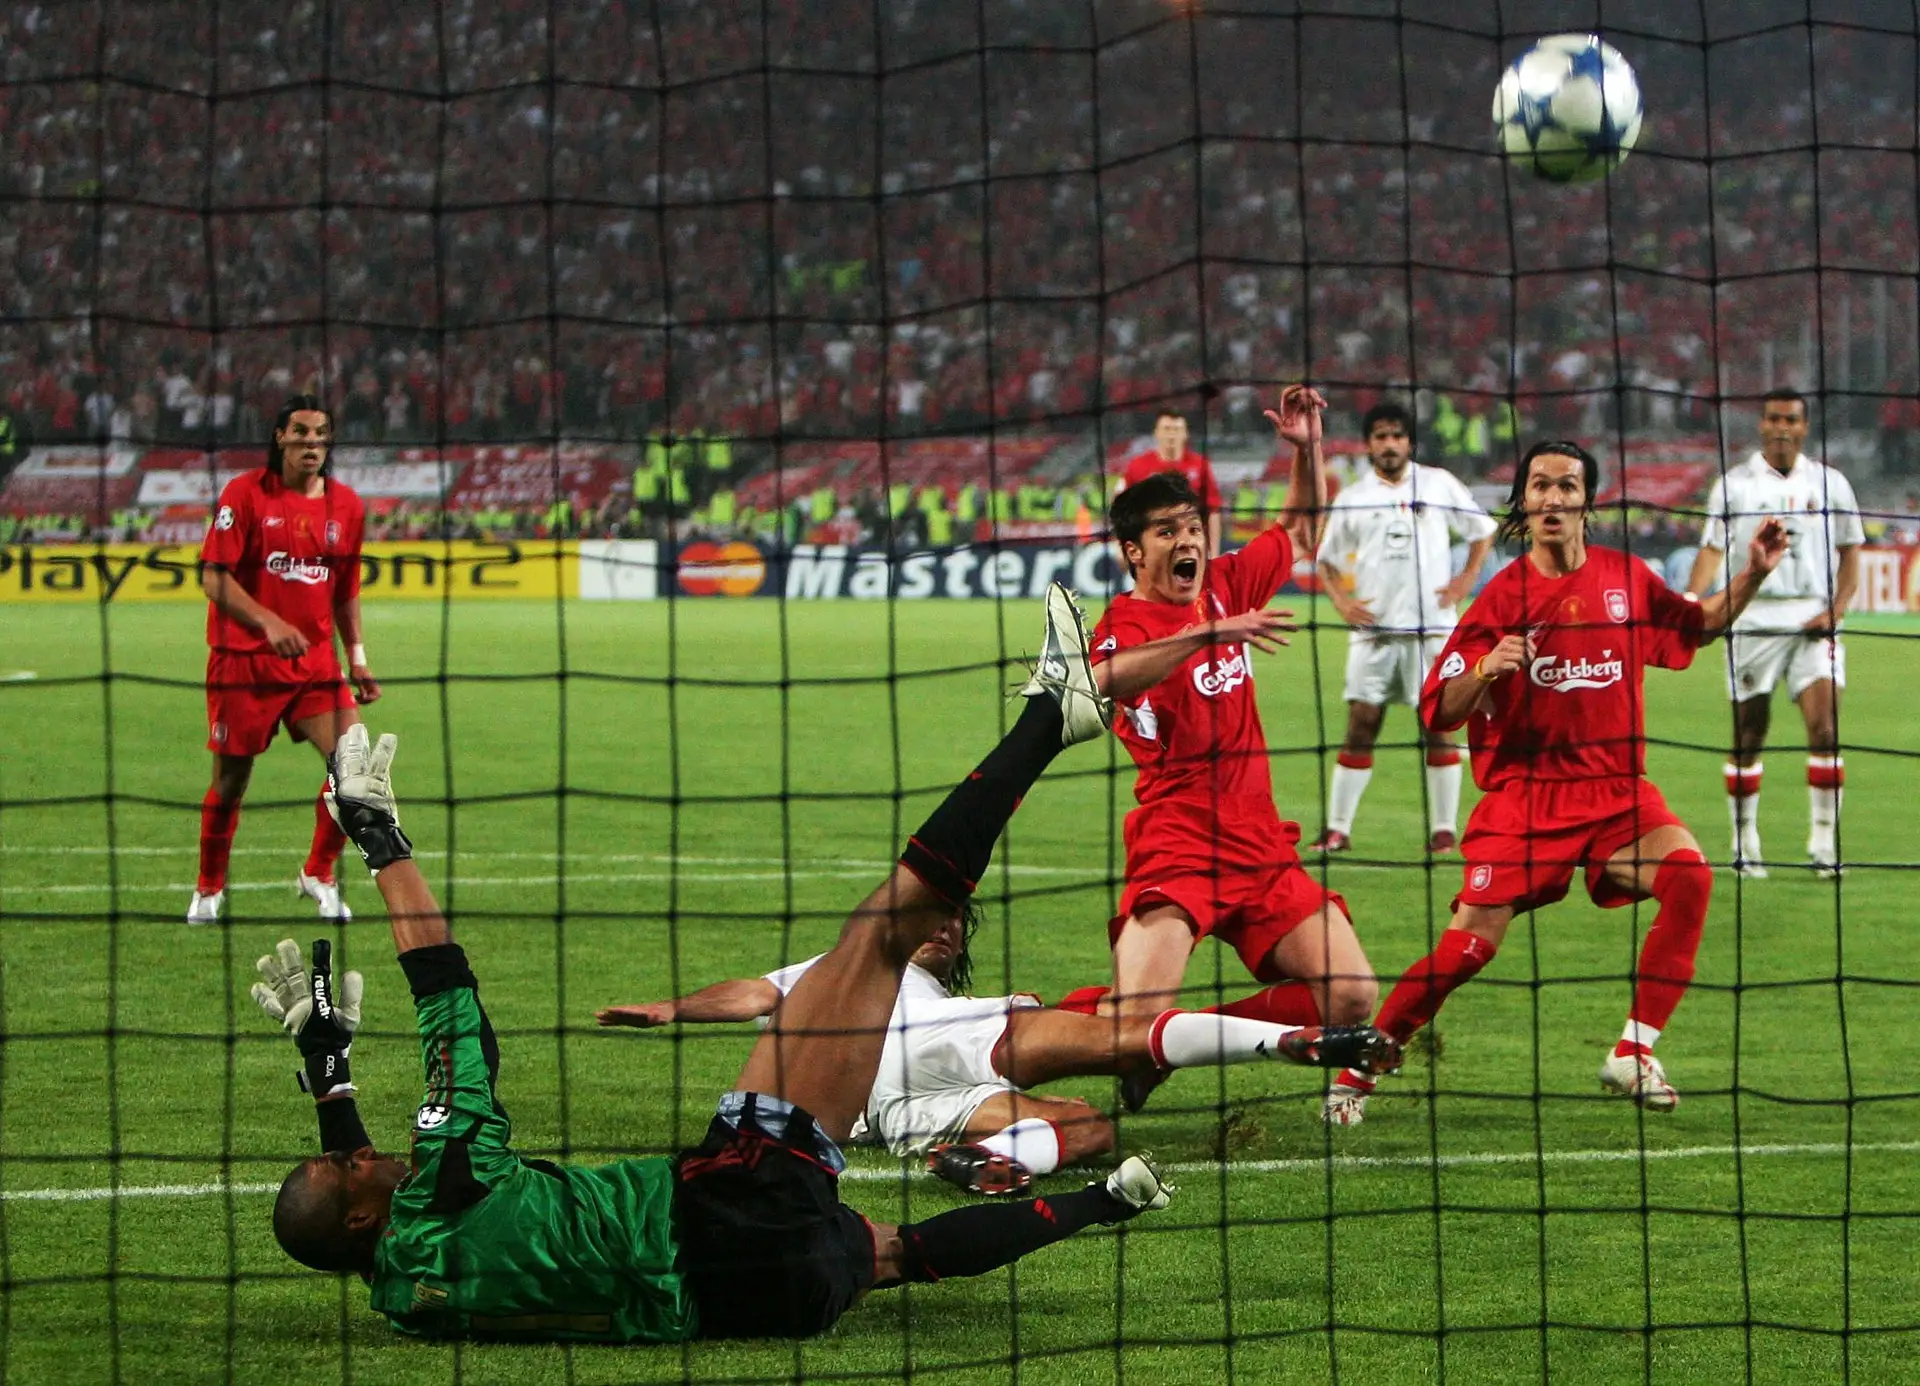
[(571, 878), (132, 1191), (1338, 1163)]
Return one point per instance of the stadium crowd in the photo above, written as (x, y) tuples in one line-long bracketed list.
[(660, 226)]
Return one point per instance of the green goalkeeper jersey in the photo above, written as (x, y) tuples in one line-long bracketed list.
[(485, 1243)]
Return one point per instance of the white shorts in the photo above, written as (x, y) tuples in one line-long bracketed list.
[(1384, 669), (1758, 661), (936, 1071)]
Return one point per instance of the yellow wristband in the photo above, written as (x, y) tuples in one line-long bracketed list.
[(1480, 673)]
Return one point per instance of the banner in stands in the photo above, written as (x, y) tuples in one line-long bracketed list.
[(828, 572), (87, 481), (620, 570), (424, 568)]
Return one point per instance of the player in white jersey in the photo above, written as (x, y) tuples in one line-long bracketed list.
[(1386, 563), (1791, 631), (950, 1089)]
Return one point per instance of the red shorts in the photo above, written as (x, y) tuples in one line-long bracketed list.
[(250, 695), (1248, 900), (1525, 840)]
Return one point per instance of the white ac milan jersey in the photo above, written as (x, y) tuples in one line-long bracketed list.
[(1395, 541), (1816, 504)]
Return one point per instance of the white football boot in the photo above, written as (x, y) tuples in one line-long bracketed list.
[(1640, 1077), (325, 895), (206, 909), (1064, 671)]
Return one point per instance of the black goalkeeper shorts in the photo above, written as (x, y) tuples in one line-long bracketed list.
[(765, 1243)]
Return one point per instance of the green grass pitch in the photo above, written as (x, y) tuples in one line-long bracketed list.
[(600, 835)]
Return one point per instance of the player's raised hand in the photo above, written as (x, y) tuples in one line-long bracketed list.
[(643, 1017), (320, 1016), (360, 797), (1768, 546), (1298, 418), (1266, 630)]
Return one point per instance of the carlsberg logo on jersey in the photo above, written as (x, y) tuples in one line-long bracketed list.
[(290, 569), (1224, 675), (1565, 675)]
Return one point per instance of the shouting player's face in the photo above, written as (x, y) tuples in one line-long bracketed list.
[(937, 954), (1783, 430), (1390, 449), (1171, 557), (303, 446), (1170, 437), (1556, 499)]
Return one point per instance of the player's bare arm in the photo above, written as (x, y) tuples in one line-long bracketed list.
[(1706, 567), (1464, 692), (1298, 422), (1133, 671), (1846, 581), (223, 589), (346, 615), (1353, 610), (738, 999), (1720, 610), (1460, 587)]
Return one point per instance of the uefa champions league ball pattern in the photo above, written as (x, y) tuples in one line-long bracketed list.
[(1569, 108)]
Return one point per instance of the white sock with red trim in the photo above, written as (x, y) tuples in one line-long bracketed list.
[(1032, 1141), (1743, 808), (1196, 1039), (1350, 776), (1825, 777)]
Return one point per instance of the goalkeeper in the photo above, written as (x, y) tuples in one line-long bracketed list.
[(743, 1236)]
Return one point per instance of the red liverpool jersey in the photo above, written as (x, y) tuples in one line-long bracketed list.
[(1196, 735), (295, 555), (1577, 712), (1195, 468)]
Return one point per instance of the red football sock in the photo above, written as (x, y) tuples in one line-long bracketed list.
[(1416, 998), (327, 840), (217, 824), (1683, 886), (1288, 1003)]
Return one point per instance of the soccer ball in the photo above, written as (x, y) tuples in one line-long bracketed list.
[(1569, 108)]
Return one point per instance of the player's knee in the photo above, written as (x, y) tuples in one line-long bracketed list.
[(1685, 883), (1350, 1000)]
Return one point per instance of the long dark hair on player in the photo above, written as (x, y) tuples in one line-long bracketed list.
[(960, 975), (297, 404), (1513, 524)]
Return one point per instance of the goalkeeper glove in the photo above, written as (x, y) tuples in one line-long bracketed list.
[(320, 1019), (360, 798)]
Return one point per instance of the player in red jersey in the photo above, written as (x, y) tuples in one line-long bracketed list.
[(1545, 670), (281, 570), (1207, 852), (1170, 453)]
